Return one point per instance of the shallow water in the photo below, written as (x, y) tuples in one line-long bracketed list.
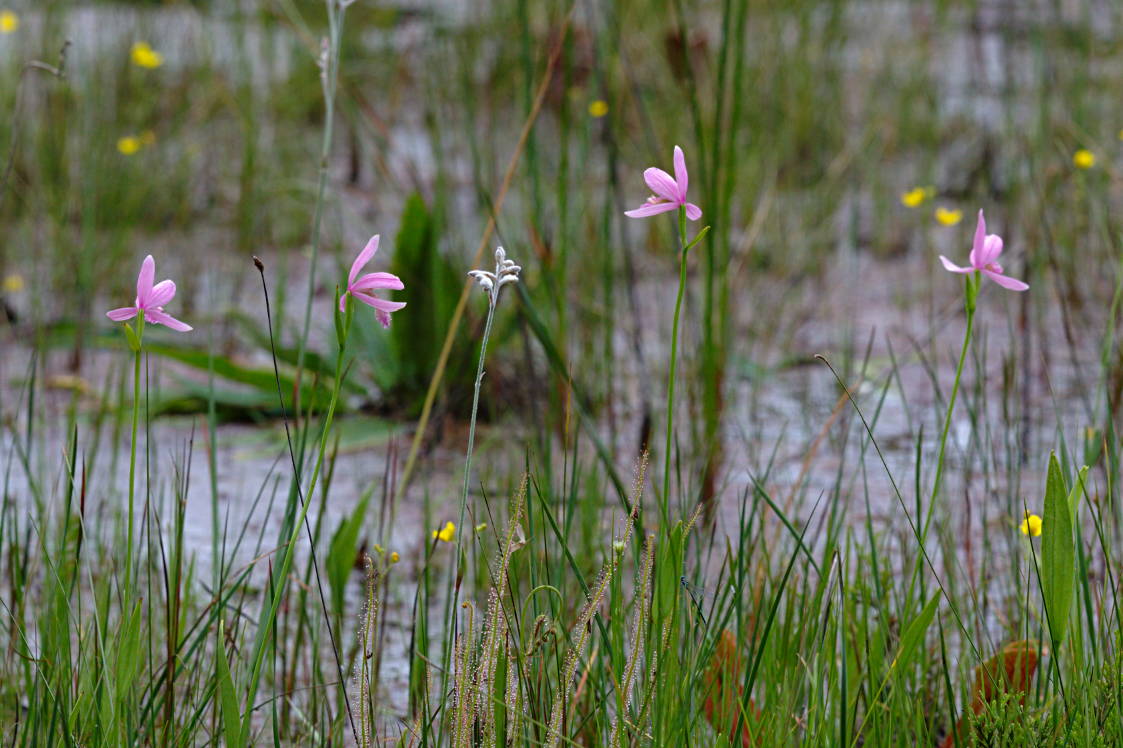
[(780, 398)]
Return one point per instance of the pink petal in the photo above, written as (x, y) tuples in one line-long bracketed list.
[(144, 281), (951, 266), (343, 303), (693, 212), (681, 177), (980, 240), (992, 248), (650, 209), (1006, 281), (372, 281), (384, 305), (661, 184), (122, 314), (160, 318), (383, 317), (363, 259), (161, 293)]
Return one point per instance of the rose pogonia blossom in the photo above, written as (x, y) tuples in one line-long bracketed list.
[(150, 299), (984, 259), (669, 193), (360, 288)]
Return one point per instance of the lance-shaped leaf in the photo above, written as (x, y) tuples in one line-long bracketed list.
[(1057, 553)]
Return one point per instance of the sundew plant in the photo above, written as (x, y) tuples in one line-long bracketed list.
[(626, 373)]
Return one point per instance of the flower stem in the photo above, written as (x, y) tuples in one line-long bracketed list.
[(971, 292), (674, 362), (472, 423), (329, 83), (457, 571), (132, 477)]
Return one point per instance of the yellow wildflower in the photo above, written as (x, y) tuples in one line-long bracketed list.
[(598, 108), (446, 533), (9, 21), (144, 56), (1031, 525), (394, 557), (13, 283), (948, 217), (128, 145), (914, 197), (1084, 159)]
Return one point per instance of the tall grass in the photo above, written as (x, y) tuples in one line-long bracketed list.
[(823, 550)]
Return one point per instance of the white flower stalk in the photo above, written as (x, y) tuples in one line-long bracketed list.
[(506, 271)]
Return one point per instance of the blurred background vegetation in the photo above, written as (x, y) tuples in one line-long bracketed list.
[(804, 123), (836, 147)]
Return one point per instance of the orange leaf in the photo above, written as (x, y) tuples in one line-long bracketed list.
[(722, 681), (1008, 672)]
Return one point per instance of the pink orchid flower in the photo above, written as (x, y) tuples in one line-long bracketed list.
[(984, 258), (670, 193), (150, 299), (360, 288)]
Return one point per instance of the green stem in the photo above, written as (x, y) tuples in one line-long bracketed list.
[(132, 457), (472, 423), (674, 362), (971, 293), (457, 570), (132, 474), (330, 79)]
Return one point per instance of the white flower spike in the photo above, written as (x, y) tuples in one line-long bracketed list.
[(506, 271)]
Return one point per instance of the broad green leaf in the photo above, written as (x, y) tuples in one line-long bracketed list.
[(344, 546), (1057, 553), (914, 633), (261, 378), (668, 575), (231, 717)]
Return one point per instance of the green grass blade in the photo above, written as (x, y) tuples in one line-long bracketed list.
[(231, 717), (914, 633)]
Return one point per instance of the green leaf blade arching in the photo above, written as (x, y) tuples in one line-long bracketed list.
[(914, 633), (1057, 553)]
